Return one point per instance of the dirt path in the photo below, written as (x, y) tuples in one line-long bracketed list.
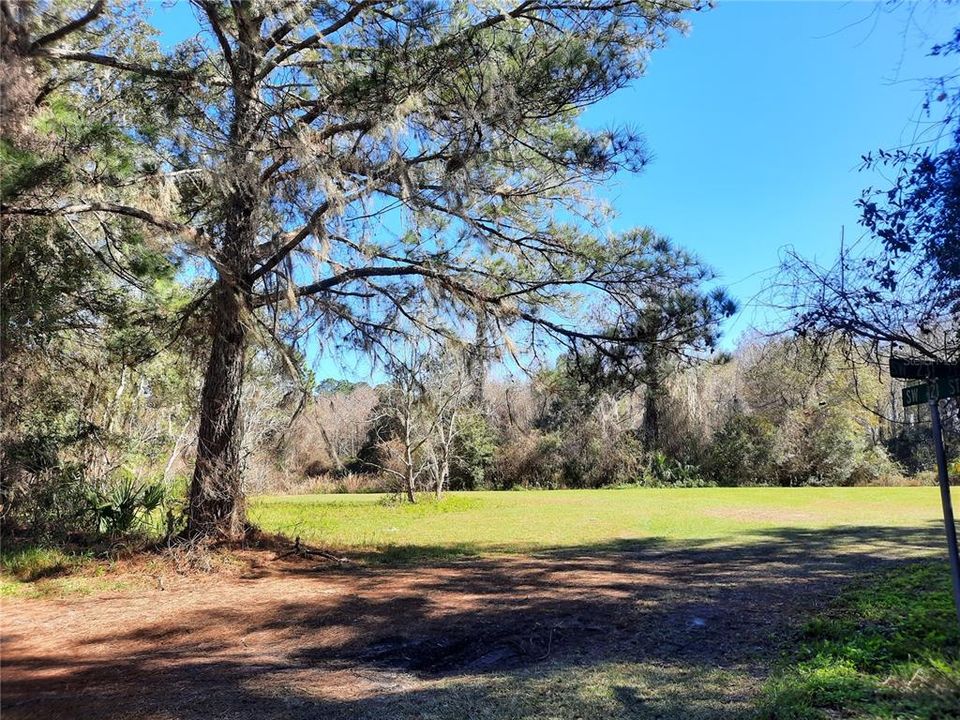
[(294, 640)]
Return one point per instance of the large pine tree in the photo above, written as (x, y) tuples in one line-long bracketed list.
[(361, 170)]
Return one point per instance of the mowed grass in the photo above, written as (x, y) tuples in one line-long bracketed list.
[(477, 522)]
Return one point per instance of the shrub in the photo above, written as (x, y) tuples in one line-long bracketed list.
[(46, 506), (529, 460), (124, 506), (875, 467), (351, 483), (475, 446), (662, 470), (591, 458), (912, 449), (742, 452), (830, 450)]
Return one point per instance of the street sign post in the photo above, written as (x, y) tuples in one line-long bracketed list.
[(943, 381), (948, 522)]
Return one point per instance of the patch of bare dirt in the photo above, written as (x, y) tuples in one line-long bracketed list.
[(298, 638), (765, 515)]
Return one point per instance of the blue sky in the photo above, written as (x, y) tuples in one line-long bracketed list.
[(757, 120)]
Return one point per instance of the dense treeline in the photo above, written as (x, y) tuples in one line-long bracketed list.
[(102, 444), (777, 412)]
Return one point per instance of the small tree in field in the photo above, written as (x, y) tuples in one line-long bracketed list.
[(337, 166), (427, 396), (450, 391)]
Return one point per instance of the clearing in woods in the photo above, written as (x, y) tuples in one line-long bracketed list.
[(568, 604)]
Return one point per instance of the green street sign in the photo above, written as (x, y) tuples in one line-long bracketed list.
[(920, 394), (913, 369)]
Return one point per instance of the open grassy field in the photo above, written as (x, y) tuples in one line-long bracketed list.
[(477, 522)]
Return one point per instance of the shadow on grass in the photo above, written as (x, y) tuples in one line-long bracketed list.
[(629, 628)]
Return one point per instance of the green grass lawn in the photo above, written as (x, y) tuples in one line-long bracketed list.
[(34, 572), (886, 648), (477, 522)]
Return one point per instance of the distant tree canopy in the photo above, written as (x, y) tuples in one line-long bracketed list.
[(359, 170)]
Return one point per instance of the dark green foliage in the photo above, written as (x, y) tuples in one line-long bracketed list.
[(912, 448), (125, 506), (46, 437), (532, 460), (889, 648), (566, 399), (743, 452), (679, 318), (23, 170), (46, 506), (662, 470), (474, 452), (918, 218), (593, 460)]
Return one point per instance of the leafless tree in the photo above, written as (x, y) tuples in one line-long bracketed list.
[(450, 390), (427, 392)]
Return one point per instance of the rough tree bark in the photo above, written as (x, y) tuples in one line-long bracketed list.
[(216, 497), (653, 380), (216, 502), (217, 508), (651, 419)]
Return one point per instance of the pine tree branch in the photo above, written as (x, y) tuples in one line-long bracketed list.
[(213, 15), (109, 61), (146, 216), (69, 28), (311, 41)]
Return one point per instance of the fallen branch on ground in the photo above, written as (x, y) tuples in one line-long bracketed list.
[(301, 550)]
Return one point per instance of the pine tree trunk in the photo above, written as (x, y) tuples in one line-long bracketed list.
[(216, 494), (217, 506), (476, 362), (651, 420), (653, 380), (216, 498)]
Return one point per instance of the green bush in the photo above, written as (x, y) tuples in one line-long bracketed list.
[(874, 466), (592, 459), (124, 506), (46, 506), (473, 455), (912, 449), (742, 452), (530, 460), (664, 471), (829, 449)]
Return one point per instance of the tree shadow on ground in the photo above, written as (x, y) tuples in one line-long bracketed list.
[(629, 628)]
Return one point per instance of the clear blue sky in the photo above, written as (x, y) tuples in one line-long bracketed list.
[(757, 120)]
